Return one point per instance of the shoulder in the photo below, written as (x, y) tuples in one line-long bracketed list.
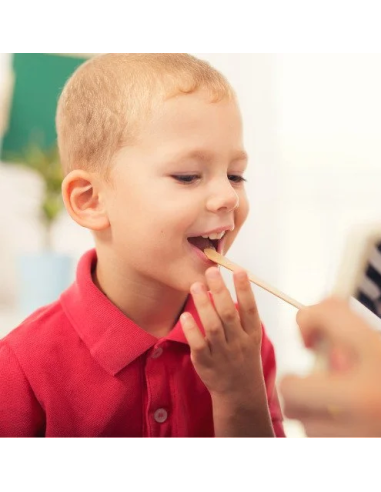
[(37, 331)]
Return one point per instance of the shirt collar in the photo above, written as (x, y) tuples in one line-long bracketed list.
[(113, 339)]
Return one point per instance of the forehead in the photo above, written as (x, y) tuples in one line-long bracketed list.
[(193, 121), (186, 129)]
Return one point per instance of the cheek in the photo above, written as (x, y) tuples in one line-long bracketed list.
[(240, 217), (242, 211)]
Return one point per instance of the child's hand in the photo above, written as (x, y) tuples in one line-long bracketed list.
[(228, 358)]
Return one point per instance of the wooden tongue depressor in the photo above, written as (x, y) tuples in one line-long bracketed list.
[(221, 260)]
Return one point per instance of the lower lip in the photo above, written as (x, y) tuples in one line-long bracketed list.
[(201, 255)]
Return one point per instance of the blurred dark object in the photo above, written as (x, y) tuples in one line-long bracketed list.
[(369, 292)]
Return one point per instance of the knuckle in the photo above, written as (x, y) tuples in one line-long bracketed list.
[(245, 287), (203, 301), (199, 348), (229, 315), (252, 310), (214, 329)]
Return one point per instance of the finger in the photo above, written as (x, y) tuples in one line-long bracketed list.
[(336, 322), (223, 304), (248, 311), (209, 318), (197, 343), (315, 394)]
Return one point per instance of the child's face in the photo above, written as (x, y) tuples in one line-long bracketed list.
[(180, 180)]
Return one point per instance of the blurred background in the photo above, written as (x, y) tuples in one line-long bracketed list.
[(312, 130)]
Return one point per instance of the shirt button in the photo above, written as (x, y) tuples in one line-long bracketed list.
[(157, 352), (160, 415)]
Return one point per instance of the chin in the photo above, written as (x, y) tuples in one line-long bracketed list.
[(188, 281)]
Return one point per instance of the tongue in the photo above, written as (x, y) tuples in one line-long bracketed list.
[(201, 242)]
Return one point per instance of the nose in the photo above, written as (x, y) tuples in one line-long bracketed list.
[(223, 197)]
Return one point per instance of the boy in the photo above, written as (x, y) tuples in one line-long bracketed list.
[(152, 151)]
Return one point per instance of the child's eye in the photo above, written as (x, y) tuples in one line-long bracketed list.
[(186, 178), (236, 179)]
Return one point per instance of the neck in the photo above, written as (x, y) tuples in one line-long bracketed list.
[(154, 308)]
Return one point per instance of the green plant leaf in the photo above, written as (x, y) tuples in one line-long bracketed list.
[(46, 163)]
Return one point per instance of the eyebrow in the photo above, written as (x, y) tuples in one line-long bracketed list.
[(241, 156), (206, 156)]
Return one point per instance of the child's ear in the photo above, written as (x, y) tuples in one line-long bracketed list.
[(83, 200)]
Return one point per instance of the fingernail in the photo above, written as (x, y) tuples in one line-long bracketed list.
[(185, 317), (197, 288)]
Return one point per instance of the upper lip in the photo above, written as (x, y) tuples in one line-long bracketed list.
[(215, 231)]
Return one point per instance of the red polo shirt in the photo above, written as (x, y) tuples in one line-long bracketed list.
[(79, 367)]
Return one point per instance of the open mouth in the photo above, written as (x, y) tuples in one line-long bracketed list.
[(212, 241), (203, 243)]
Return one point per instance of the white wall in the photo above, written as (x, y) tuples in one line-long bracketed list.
[(329, 130)]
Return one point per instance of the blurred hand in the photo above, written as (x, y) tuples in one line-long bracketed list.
[(344, 400)]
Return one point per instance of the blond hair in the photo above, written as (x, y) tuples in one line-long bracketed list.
[(106, 101)]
